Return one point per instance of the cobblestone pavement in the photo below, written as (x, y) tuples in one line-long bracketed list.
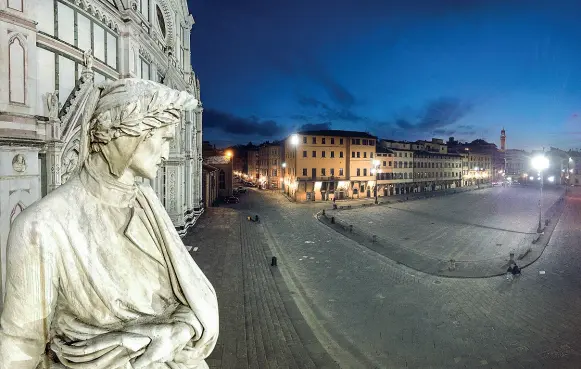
[(257, 321), (370, 312), (483, 225)]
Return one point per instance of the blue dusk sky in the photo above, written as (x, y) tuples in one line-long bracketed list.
[(410, 69)]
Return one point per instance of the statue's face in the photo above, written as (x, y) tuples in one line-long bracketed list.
[(152, 152)]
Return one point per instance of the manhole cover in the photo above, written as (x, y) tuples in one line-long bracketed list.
[(437, 282)]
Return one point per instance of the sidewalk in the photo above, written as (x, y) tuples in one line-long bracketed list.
[(366, 201), (256, 328)]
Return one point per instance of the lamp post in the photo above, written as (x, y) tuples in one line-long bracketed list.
[(294, 140), (568, 177), (376, 169), (283, 176), (540, 163)]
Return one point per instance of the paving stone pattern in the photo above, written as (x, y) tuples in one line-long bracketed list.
[(395, 317), (476, 229), (256, 330)]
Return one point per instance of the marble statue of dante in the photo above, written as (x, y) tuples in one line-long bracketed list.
[(97, 276)]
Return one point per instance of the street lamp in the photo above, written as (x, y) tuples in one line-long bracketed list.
[(294, 140), (540, 163), (283, 176), (376, 169)]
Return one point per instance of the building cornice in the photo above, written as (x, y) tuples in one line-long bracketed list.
[(16, 20), (96, 10)]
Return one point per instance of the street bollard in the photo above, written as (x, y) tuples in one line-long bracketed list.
[(273, 262), (452, 265), (332, 220), (323, 212), (511, 260), (351, 228), (256, 218), (546, 222), (374, 238)]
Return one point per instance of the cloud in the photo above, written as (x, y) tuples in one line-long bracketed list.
[(337, 93), (312, 70), (311, 102), (438, 116), (323, 111), (229, 123), (315, 127)]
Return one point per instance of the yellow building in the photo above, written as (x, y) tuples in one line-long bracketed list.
[(327, 164)]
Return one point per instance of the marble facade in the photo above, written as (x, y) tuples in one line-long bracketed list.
[(46, 44)]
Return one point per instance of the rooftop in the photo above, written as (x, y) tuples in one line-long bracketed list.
[(222, 159), (338, 133)]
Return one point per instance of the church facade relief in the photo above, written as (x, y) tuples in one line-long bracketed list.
[(46, 92)]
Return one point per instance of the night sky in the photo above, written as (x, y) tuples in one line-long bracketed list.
[(431, 68)]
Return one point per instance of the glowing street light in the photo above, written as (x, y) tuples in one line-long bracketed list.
[(540, 163), (294, 140)]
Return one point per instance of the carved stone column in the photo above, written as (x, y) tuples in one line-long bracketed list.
[(198, 143), (189, 169), (54, 150)]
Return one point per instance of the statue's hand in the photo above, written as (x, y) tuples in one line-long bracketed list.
[(166, 341)]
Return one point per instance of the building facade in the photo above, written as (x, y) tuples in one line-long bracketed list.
[(270, 166), (210, 183), (253, 167), (322, 165), (225, 173), (422, 166), (54, 52), (517, 163), (476, 168)]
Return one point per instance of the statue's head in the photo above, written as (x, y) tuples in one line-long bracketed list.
[(133, 122)]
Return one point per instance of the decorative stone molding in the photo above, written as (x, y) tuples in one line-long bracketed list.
[(17, 87), (167, 11), (145, 54), (94, 8), (73, 108)]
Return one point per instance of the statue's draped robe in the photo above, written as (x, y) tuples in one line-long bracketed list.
[(96, 256)]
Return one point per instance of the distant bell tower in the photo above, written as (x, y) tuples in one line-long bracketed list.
[(502, 140)]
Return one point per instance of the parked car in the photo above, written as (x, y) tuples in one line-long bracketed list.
[(232, 200), (241, 189)]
